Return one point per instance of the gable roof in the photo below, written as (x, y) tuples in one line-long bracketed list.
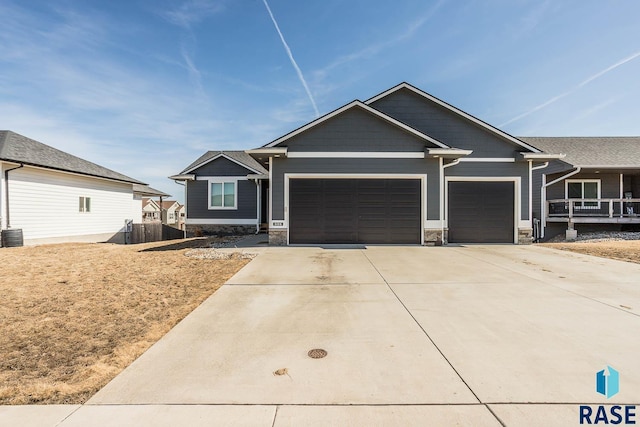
[(239, 157), (166, 204), (368, 109), (148, 201), (20, 149), (592, 151), (458, 111)]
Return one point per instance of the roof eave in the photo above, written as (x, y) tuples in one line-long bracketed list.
[(543, 157), (447, 153), (183, 177)]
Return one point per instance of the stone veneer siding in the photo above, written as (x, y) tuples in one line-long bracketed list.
[(278, 237), (525, 236)]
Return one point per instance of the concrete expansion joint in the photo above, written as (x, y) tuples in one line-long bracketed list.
[(431, 340)]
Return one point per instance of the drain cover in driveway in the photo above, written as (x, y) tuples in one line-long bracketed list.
[(317, 353)]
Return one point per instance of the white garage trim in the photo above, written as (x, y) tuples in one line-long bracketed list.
[(516, 196), (421, 177)]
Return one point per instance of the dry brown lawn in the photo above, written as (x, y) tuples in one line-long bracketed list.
[(73, 316), (623, 250)]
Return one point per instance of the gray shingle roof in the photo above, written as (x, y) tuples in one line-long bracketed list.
[(20, 149), (145, 190), (592, 150), (239, 156)]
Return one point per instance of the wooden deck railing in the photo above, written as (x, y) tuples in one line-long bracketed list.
[(601, 208)]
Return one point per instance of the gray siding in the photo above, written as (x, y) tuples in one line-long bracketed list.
[(482, 169), (198, 205), (444, 125), (370, 166), (356, 130), (609, 184), (553, 168), (222, 167)]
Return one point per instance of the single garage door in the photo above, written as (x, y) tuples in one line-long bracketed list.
[(481, 212), (354, 211)]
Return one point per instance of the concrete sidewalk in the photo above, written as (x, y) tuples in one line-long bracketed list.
[(477, 335)]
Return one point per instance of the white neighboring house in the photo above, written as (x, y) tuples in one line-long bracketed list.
[(146, 209), (54, 196), (171, 207), (150, 210)]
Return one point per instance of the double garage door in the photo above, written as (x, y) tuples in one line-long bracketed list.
[(354, 211), (388, 211)]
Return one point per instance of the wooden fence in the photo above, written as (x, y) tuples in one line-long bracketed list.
[(153, 232)]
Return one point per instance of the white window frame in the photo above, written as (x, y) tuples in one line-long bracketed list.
[(83, 206), (223, 181), (583, 181)]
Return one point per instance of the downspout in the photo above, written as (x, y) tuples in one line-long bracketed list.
[(543, 194), (442, 189), (531, 169), (6, 191)]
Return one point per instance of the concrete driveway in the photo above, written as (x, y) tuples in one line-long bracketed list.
[(460, 335)]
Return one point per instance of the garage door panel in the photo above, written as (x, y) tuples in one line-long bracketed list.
[(481, 212), (354, 211)]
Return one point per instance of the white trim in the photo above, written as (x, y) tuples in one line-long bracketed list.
[(542, 156), (448, 152), (488, 159), (268, 151), (356, 155), (199, 165), (517, 183), (365, 107), (583, 181), (455, 110), (432, 224), (223, 180), (221, 221), (421, 177), (184, 177)]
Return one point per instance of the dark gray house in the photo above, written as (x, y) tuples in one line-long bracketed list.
[(402, 168), (225, 192), (405, 167)]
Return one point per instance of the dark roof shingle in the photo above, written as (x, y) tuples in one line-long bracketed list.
[(20, 149), (591, 150), (239, 156)]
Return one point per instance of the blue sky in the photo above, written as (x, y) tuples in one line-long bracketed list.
[(145, 87)]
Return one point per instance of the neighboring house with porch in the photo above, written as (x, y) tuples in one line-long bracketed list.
[(405, 167), (596, 186), (141, 196), (150, 210), (53, 196)]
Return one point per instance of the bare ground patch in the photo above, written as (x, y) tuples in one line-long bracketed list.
[(623, 250), (75, 315)]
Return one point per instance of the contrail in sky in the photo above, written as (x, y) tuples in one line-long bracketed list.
[(293, 61), (569, 92)]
